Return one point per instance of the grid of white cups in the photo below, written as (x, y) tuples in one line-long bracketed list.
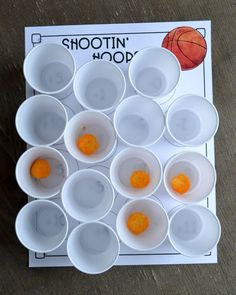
[(139, 122)]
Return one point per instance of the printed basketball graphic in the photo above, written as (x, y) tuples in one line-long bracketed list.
[(188, 45)]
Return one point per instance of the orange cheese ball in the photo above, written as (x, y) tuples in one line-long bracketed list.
[(137, 223), (40, 169), (87, 144), (180, 183), (139, 179)]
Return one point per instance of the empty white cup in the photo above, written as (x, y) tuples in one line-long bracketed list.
[(99, 85), (45, 187), (155, 73), (41, 120), (156, 232), (129, 160), (194, 230), (41, 226), (93, 247), (50, 69), (139, 121), (87, 195), (191, 120), (198, 169), (91, 122)]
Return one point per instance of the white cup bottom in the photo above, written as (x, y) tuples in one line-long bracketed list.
[(151, 81), (185, 125), (134, 129), (93, 247), (194, 230), (48, 127), (54, 76), (101, 93), (186, 226), (41, 226)]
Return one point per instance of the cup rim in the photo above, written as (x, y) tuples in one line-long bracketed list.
[(34, 98), (30, 204), (198, 97), (87, 107), (123, 151), (124, 207), (186, 207), (156, 48), (90, 161), (182, 200), (40, 90), (78, 227), (18, 173), (76, 174), (133, 97)]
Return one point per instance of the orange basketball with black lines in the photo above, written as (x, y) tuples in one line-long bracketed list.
[(188, 45)]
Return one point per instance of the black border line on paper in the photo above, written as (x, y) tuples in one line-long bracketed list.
[(45, 255)]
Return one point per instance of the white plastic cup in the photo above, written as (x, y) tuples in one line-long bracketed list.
[(198, 169), (156, 232), (41, 226), (87, 195), (194, 230), (129, 160), (95, 123), (139, 121), (46, 187), (99, 85), (93, 247), (50, 69), (41, 120), (154, 72), (191, 120)]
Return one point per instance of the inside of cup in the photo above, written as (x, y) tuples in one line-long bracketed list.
[(87, 195), (49, 68), (41, 226), (156, 232), (45, 187), (128, 162), (154, 72), (139, 121), (192, 120), (93, 248), (199, 171), (91, 123), (99, 85), (41, 120), (194, 231)]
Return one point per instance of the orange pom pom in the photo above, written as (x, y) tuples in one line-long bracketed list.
[(180, 183), (40, 169), (87, 144), (137, 223), (139, 179)]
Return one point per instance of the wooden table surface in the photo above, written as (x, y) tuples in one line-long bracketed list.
[(15, 276)]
